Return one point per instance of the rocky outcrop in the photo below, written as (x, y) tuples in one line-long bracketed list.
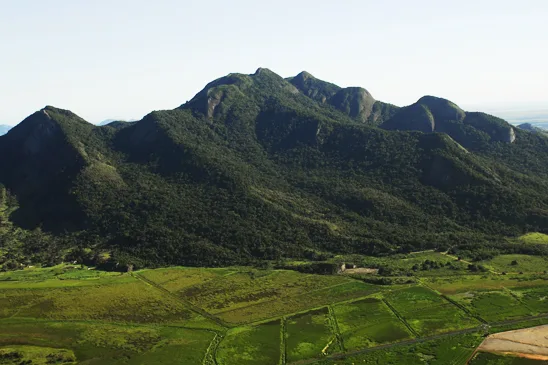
[(354, 101), (431, 114)]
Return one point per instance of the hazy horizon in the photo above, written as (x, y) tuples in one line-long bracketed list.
[(121, 59)]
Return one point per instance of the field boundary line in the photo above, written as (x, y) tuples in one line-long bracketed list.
[(335, 327), (210, 355), (455, 303), (282, 297), (400, 317), (191, 306), (283, 344), (513, 295), (464, 309)]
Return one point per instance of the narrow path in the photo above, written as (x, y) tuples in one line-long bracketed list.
[(283, 345), (210, 358), (392, 345), (468, 262), (335, 327), (413, 332), (191, 306), (464, 309)]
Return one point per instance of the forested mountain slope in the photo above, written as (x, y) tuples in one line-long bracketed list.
[(262, 167)]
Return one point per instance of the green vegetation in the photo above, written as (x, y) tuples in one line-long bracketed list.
[(310, 335), (244, 315), (256, 167), (453, 350), (493, 306), (427, 313), (283, 181), (517, 264), (101, 343), (368, 322), (15, 355), (534, 238), (251, 345)]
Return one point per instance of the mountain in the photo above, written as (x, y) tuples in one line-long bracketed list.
[(533, 128), (431, 114), (356, 102), (261, 167), (116, 123), (4, 129)]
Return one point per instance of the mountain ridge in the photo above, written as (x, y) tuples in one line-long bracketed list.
[(261, 167)]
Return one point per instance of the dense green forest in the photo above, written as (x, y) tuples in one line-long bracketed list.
[(259, 167)]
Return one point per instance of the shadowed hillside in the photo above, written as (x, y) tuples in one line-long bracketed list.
[(261, 167)]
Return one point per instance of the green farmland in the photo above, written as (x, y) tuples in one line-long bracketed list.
[(243, 315)]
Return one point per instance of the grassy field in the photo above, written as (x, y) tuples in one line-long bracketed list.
[(367, 323), (284, 305), (243, 289), (252, 345), (535, 298), (308, 334), (427, 313), (493, 306), (101, 343), (517, 263), (120, 300), (240, 315), (534, 238), (454, 350), (463, 284)]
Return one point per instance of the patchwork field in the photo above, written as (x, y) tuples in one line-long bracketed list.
[(426, 312), (493, 306), (101, 343), (240, 315), (367, 323), (451, 350), (121, 299)]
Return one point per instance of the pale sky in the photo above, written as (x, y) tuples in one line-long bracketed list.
[(124, 58)]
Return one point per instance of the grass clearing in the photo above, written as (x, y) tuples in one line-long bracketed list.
[(299, 302), (176, 279), (35, 355), (251, 345), (463, 284), (427, 312), (307, 334), (132, 301), (255, 286), (493, 306), (534, 298), (534, 238), (59, 272), (368, 322), (100, 343), (517, 263)]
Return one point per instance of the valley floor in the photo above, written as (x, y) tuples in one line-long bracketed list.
[(241, 315)]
